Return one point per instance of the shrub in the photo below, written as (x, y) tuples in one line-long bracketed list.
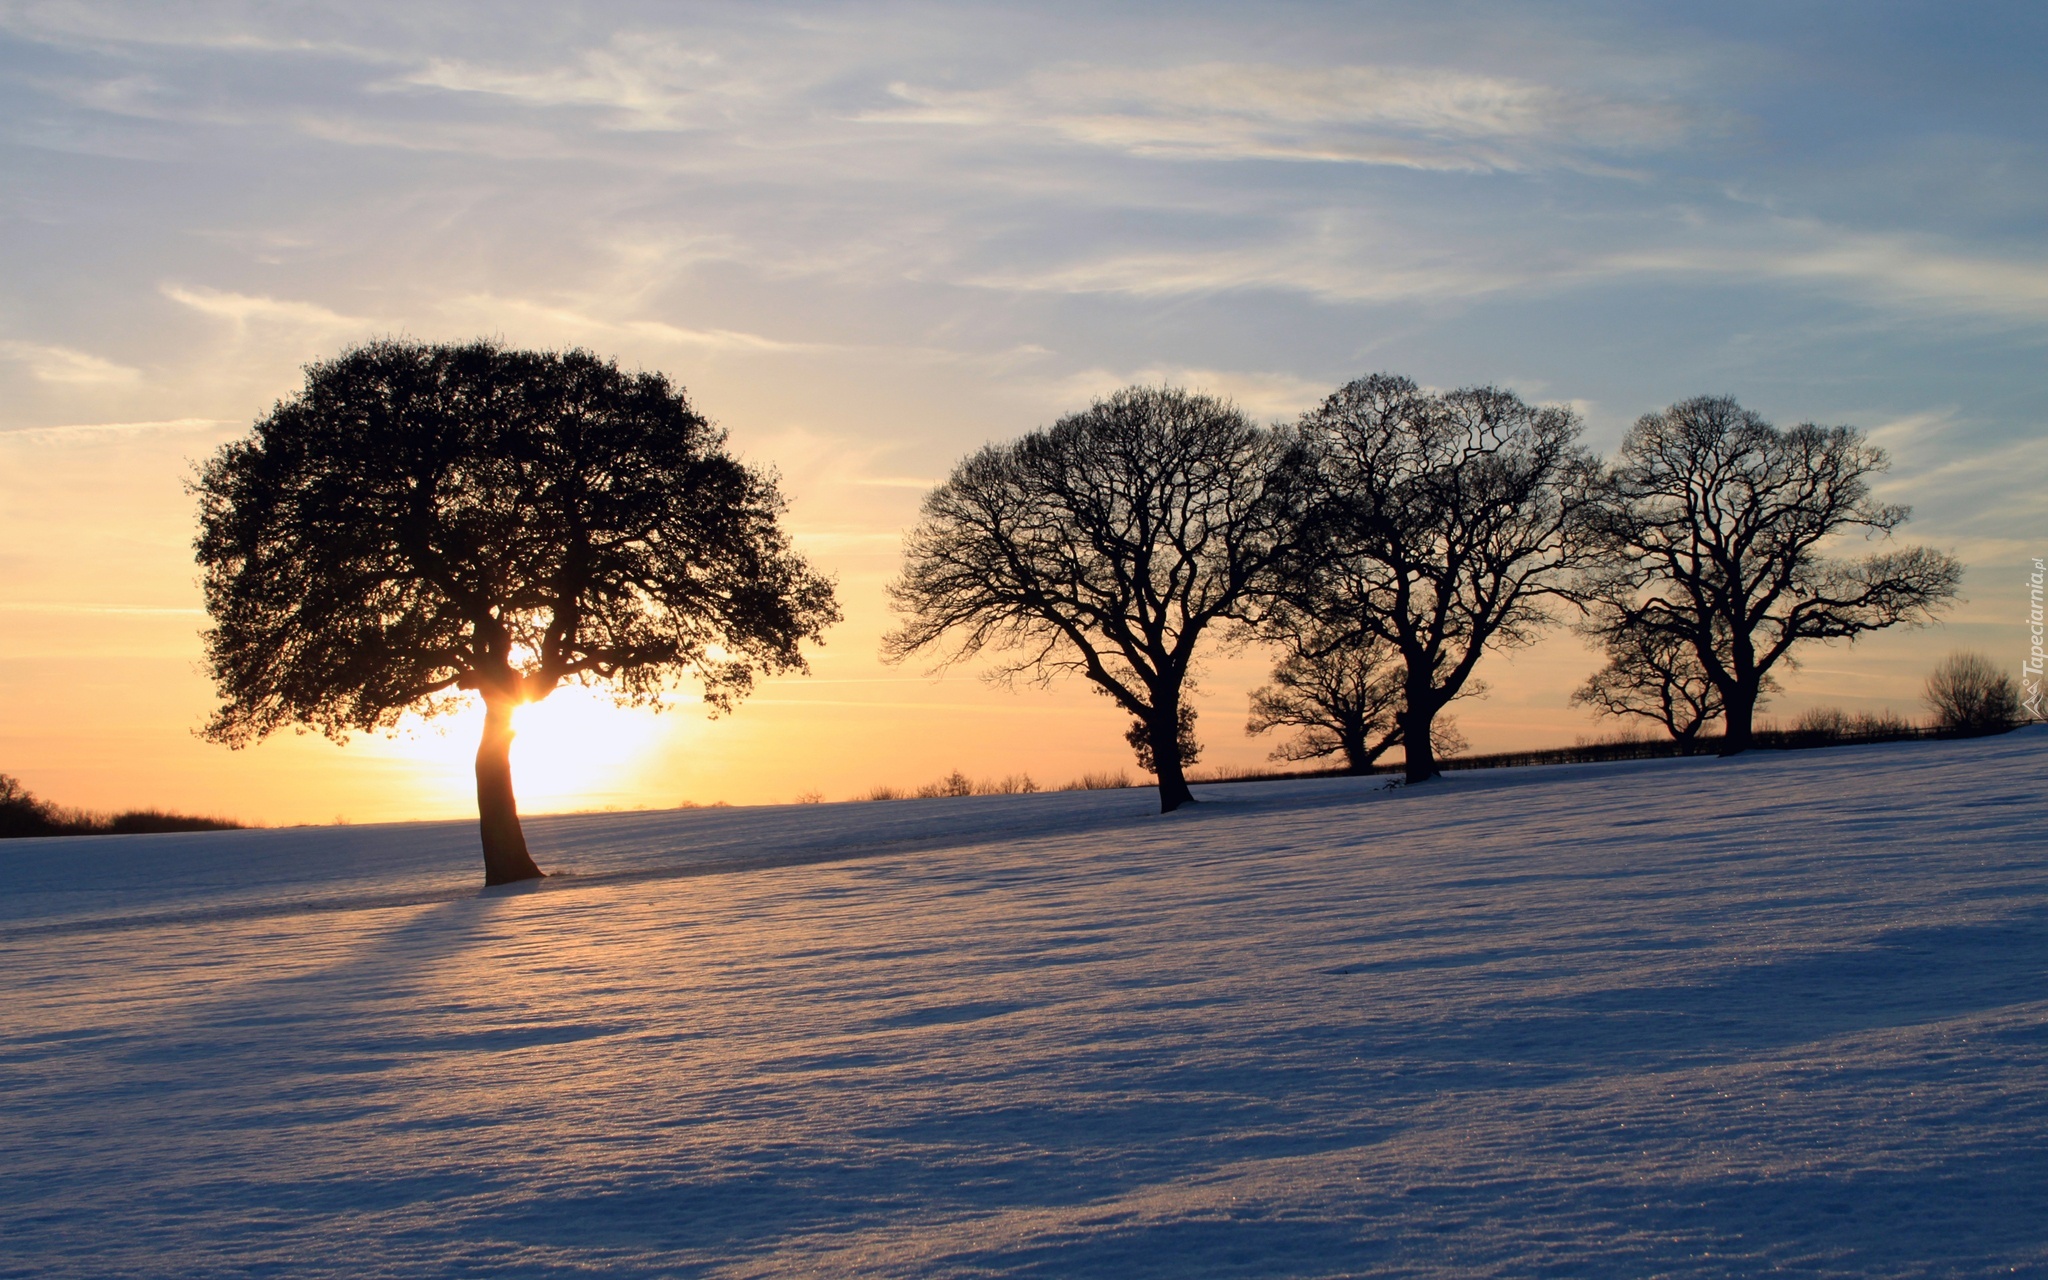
[(1209, 777), (1822, 722), (1104, 781), (1886, 723), (1832, 724), (1969, 694), (957, 783), (1014, 784), (953, 784), (1626, 735), (137, 822)]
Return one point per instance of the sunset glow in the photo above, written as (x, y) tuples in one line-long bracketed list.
[(576, 750)]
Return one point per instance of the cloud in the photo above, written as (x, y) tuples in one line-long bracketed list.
[(1418, 118), (1349, 261), (566, 322), (15, 606), (145, 23), (579, 325), (242, 309), (65, 365), (78, 431), (1328, 263), (1941, 457), (644, 81), (895, 482), (1264, 395), (500, 141), (1893, 270), (836, 457)]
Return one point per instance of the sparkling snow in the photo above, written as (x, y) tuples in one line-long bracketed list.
[(1785, 1013)]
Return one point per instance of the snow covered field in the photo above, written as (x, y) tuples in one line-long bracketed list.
[(1787, 1013)]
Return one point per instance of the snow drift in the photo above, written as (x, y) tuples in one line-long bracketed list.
[(1695, 1017)]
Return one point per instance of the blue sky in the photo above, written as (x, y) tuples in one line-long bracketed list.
[(871, 237)]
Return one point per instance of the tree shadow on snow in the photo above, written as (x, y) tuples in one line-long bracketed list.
[(1906, 977)]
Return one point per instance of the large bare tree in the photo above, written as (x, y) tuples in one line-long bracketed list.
[(1716, 533), (1105, 545), (426, 522), (1446, 521)]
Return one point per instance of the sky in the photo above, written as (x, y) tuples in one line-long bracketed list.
[(870, 238)]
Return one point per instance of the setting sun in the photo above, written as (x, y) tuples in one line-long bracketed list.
[(576, 749)]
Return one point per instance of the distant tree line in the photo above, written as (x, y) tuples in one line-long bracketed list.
[(1388, 539), (22, 813)]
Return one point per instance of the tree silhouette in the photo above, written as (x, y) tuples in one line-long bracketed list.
[(1715, 530), (1341, 689), (423, 521), (1969, 694), (21, 814), (1105, 545), (1445, 521), (1655, 676)]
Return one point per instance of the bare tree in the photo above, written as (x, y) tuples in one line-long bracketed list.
[(1444, 524), (1658, 677), (1341, 691), (425, 522), (1105, 545), (1969, 694), (1715, 531)]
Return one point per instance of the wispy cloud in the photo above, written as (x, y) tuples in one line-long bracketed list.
[(66, 365), (895, 482), (582, 326), (12, 606), (1337, 264), (243, 309), (499, 140), (1349, 260), (816, 460), (73, 431), (642, 81), (1417, 118), (1942, 458), (1893, 270), (129, 23), (1263, 394)]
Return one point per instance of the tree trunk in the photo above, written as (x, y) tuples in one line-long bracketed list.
[(1173, 782), (1419, 704), (1357, 756), (1416, 744), (1738, 716), (505, 857)]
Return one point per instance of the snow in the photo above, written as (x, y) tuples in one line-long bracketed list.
[(1689, 1017)]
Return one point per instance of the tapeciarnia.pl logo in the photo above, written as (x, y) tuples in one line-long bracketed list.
[(2030, 670)]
